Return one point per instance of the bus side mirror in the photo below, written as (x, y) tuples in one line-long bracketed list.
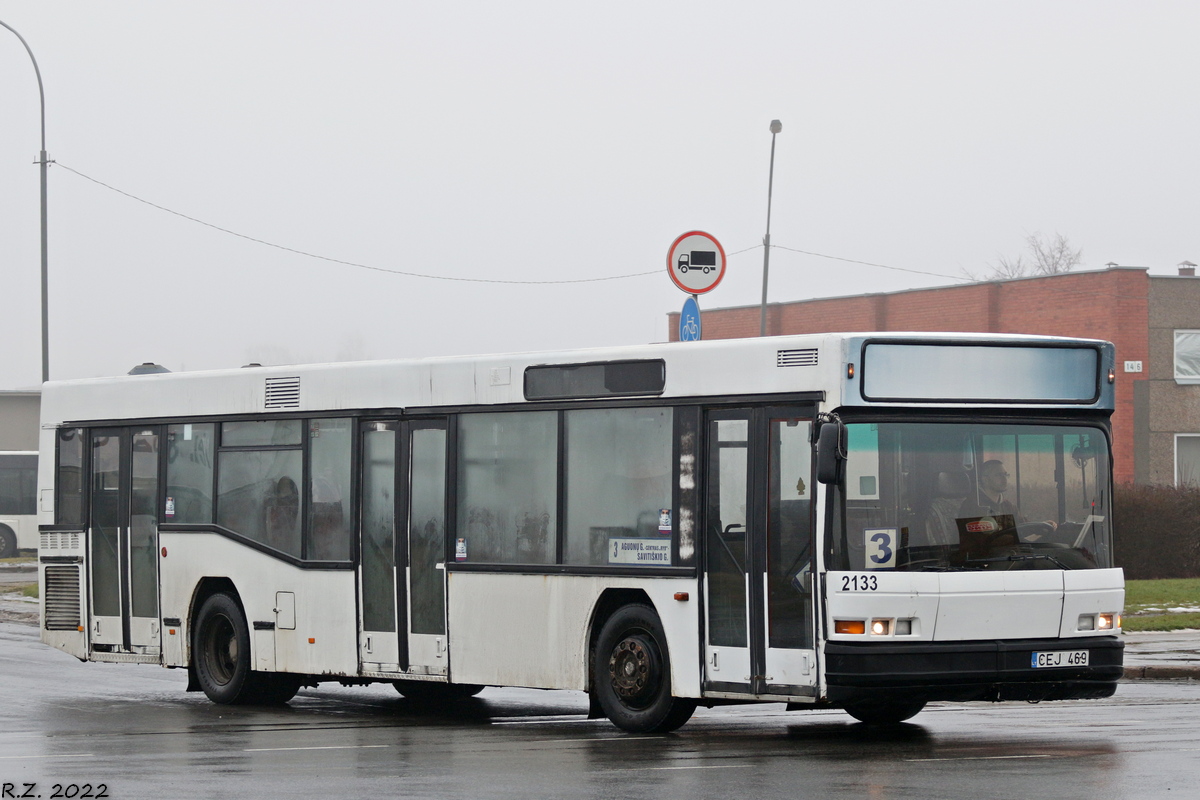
[(829, 446)]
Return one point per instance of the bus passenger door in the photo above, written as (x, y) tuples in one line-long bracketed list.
[(123, 539), (425, 560), (758, 531), (402, 605), (379, 644)]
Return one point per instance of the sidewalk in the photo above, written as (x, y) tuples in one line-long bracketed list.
[(1171, 655)]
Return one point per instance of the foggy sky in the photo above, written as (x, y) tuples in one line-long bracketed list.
[(543, 141)]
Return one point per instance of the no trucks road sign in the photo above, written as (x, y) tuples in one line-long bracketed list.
[(696, 262)]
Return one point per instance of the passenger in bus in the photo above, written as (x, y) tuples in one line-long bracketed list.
[(283, 516), (950, 493)]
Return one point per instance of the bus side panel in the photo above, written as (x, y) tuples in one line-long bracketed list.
[(508, 629), (322, 641)]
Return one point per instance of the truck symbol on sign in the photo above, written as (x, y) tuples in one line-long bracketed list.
[(697, 259)]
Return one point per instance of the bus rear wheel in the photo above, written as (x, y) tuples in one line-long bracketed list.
[(221, 654), (885, 712), (632, 673), (222, 650)]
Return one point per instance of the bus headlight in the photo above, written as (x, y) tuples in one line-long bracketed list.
[(1087, 622), (881, 627), (1109, 622)]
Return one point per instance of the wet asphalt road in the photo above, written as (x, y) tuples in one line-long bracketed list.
[(134, 729)]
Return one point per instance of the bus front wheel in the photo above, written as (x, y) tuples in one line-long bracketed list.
[(885, 713), (632, 673)]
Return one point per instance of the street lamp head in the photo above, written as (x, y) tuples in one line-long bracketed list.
[(776, 126)]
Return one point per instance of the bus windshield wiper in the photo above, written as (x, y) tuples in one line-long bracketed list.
[(1019, 557)]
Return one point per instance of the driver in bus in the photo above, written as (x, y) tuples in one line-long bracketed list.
[(990, 497)]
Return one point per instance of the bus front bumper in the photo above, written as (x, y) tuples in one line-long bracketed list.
[(964, 671)]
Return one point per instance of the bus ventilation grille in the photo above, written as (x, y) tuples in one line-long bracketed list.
[(797, 358), (283, 393), (62, 598), (60, 540)]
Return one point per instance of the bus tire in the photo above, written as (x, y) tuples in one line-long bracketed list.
[(431, 692), (221, 651), (632, 673), (8, 542), (272, 688), (885, 713)]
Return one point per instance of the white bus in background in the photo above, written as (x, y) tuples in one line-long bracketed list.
[(18, 502), (802, 519)]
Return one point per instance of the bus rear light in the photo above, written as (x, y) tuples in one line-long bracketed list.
[(849, 626), (881, 627)]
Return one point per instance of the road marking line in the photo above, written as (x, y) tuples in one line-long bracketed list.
[(65, 755), (600, 739), (697, 766), (324, 747), (982, 758)]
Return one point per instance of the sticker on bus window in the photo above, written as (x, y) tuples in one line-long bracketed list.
[(170, 509), (460, 550), (639, 551), (880, 544), (664, 521)]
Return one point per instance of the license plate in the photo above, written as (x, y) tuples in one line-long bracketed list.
[(1060, 658)]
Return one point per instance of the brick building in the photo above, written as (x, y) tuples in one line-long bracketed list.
[(1153, 320)]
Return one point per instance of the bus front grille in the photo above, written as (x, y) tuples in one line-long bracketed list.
[(62, 598)]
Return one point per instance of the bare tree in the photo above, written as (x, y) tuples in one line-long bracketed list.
[(1052, 256), (1045, 256)]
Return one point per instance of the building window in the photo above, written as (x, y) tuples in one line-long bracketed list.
[(1187, 460), (1187, 356)]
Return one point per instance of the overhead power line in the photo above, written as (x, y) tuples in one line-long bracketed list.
[(429, 276)]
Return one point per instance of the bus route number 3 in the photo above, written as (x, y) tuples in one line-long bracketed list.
[(880, 548)]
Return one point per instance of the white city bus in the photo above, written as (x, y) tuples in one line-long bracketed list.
[(18, 502), (812, 520)]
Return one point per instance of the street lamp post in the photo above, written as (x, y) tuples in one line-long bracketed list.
[(776, 127), (43, 161)]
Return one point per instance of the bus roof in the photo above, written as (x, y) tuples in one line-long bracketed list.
[(778, 365)]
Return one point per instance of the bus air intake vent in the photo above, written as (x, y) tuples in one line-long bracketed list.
[(797, 358), (60, 540), (62, 598), (283, 393)]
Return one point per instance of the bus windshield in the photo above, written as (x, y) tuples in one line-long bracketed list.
[(948, 496)]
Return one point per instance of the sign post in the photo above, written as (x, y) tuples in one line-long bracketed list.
[(696, 262)]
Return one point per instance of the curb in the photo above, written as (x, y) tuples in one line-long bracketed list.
[(1162, 673)]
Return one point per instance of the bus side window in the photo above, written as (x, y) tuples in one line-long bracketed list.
[(68, 482), (329, 489)]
